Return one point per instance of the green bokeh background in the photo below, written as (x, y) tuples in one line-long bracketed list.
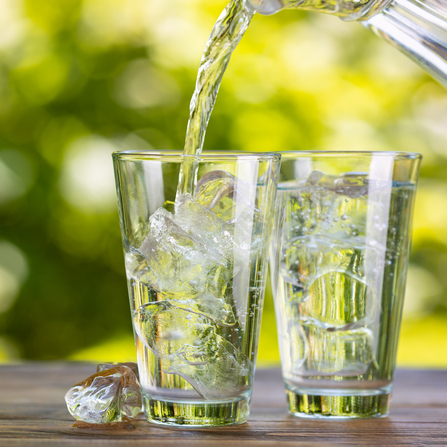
[(82, 78)]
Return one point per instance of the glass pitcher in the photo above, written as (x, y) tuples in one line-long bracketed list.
[(417, 28)]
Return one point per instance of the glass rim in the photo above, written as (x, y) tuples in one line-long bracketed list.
[(177, 155), (358, 154)]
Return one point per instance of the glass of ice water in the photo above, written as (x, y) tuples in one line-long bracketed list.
[(339, 263), (196, 267)]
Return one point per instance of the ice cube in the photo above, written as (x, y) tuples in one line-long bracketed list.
[(177, 259), (205, 226), (350, 184), (137, 267), (315, 177), (307, 259), (338, 352), (215, 191), (323, 232), (336, 298), (294, 290), (250, 238), (182, 253), (187, 342), (329, 292), (112, 395), (110, 365), (190, 255), (214, 367), (223, 194), (215, 309), (219, 284), (298, 346), (189, 214), (241, 230), (167, 235), (164, 328)]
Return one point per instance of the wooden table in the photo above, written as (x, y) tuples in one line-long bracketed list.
[(33, 413)]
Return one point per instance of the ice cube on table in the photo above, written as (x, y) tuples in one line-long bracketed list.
[(111, 395), (110, 365)]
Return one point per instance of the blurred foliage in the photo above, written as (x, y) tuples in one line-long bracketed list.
[(81, 78)]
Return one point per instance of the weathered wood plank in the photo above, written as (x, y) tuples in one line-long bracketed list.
[(33, 413)]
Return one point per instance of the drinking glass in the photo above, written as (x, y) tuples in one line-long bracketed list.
[(339, 263), (196, 266)]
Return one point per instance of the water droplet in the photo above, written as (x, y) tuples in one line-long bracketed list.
[(335, 219), (344, 217)]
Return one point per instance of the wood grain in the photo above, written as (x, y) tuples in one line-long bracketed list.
[(33, 413)]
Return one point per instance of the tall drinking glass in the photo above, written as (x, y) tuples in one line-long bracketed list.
[(339, 264), (196, 267)]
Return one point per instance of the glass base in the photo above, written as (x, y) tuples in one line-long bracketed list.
[(197, 414), (338, 407)]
